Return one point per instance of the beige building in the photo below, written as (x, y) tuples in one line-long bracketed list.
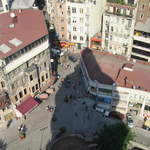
[(118, 27), (24, 56), (117, 83)]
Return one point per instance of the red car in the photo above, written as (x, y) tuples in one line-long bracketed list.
[(117, 115)]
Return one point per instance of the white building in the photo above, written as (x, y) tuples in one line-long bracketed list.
[(84, 20), (118, 28), (118, 83), (80, 19)]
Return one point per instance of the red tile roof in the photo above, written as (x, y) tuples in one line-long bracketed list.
[(27, 105), (107, 68), (29, 26)]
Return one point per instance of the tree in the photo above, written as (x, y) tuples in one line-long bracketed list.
[(114, 137)]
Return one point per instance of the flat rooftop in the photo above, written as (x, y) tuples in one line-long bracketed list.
[(107, 68), (19, 28)]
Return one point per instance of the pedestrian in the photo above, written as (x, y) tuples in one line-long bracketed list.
[(83, 103), (76, 114), (25, 117)]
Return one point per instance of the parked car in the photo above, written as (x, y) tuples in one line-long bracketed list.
[(72, 58), (117, 115), (129, 120), (146, 125), (129, 116), (130, 123)]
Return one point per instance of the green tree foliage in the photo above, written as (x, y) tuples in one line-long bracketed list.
[(116, 1), (114, 137)]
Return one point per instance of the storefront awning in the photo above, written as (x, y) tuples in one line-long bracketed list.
[(27, 105)]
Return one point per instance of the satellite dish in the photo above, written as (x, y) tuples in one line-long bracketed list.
[(12, 15)]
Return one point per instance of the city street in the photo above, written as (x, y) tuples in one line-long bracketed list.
[(76, 115)]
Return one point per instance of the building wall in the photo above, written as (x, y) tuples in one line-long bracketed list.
[(59, 19), (141, 38), (26, 74), (118, 28), (143, 12), (81, 20)]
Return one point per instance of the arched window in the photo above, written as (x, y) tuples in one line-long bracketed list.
[(74, 37)]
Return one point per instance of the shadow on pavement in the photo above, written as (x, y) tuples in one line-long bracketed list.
[(75, 114)]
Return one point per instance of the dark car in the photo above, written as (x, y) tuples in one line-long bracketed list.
[(117, 115), (72, 58)]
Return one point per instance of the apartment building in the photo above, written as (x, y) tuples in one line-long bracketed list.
[(118, 27), (78, 20), (24, 58), (118, 83), (141, 38)]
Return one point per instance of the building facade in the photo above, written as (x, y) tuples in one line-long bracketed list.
[(118, 27), (24, 56), (118, 84), (77, 21), (141, 38)]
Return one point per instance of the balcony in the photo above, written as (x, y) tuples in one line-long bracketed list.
[(141, 36)]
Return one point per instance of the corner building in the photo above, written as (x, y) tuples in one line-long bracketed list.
[(118, 83), (24, 58)]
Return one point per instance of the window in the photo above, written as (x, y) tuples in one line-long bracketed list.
[(31, 78), (62, 20), (62, 28), (81, 20), (112, 29), (81, 10), (62, 35), (81, 38), (2, 84), (143, 6), (44, 64), (12, 86), (16, 98), (46, 75), (73, 10), (74, 29), (42, 78), (25, 91), (141, 16), (60, 6), (36, 86), (33, 89), (62, 12), (20, 94), (74, 37), (74, 20)]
